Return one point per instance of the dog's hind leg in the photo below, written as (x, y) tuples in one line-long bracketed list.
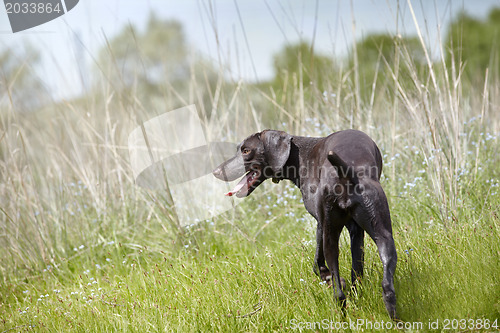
[(372, 214), (387, 252)]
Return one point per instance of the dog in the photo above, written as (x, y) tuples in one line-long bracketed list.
[(338, 176)]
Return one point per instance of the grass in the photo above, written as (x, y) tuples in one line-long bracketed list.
[(258, 279), (84, 249)]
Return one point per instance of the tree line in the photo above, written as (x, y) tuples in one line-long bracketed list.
[(157, 61)]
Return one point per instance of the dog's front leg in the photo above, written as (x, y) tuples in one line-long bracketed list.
[(357, 250), (319, 258), (331, 235)]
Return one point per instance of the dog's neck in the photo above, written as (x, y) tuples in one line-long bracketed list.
[(295, 166)]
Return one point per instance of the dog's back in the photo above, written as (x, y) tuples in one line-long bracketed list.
[(354, 153)]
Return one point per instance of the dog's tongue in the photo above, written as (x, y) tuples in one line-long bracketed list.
[(239, 186)]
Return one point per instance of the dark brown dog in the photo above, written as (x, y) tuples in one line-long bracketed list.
[(338, 176)]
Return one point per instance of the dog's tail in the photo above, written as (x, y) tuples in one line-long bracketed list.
[(347, 180), (344, 170)]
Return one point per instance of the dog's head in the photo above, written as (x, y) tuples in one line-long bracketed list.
[(259, 157)]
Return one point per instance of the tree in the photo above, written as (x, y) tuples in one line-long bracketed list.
[(475, 43), (381, 56), (300, 60), (157, 67), (20, 86), (146, 59)]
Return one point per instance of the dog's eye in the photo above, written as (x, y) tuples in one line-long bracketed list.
[(246, 151)]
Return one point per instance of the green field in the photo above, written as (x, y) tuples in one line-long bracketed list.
[(84, 249)]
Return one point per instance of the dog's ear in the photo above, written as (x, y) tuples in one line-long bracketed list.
[(276, 148)]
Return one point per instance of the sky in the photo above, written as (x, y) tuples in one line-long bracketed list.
[(243, 35)]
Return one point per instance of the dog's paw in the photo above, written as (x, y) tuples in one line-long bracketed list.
[(325, 274), (329, 281)]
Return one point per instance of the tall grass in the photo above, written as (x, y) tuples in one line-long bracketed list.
[(74, 227)]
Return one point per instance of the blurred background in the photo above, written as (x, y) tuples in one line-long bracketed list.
[(420, 77), (245, 40)]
